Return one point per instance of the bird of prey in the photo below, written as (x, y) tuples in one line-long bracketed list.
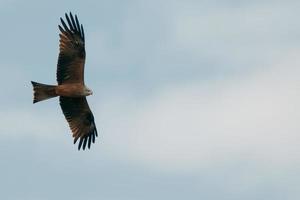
[(71, 89)]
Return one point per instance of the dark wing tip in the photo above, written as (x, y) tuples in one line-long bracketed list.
[(61, 29), (90, 139), (73, 25), (82, 32), (69, 22), (61, 20), (96, 132), (86, 141), (66, 28), (75, 140), (80, 143), (71, 15)]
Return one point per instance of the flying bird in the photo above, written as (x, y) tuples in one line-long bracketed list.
[(71, 89)]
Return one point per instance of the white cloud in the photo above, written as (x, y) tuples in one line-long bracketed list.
[(191, 126), (237, 36)]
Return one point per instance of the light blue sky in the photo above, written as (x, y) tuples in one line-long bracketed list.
[(192, 99)]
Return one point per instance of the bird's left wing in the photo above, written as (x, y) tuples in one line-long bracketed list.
[(80, 119), (71, 59)]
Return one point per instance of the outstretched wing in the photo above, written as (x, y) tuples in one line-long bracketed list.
[(71, 59), (80, 119)]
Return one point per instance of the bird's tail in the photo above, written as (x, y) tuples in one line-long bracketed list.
[(42, 91)]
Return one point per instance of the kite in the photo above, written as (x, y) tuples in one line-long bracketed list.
[(71, 89)]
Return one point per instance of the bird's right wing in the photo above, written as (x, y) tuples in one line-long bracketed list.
[(80, 119)]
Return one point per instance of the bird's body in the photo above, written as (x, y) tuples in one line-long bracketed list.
[(43, 91), (71, 89)]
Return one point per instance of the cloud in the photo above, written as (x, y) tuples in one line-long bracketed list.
[(195, 125), (236, 33)]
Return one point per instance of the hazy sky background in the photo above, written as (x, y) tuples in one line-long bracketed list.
[(192, 100)]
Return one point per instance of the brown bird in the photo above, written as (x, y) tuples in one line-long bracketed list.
[(71, 89)]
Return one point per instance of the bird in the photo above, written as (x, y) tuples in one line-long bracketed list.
[(70, 87)]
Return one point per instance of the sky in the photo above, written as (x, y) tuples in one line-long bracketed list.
[(192, 100)]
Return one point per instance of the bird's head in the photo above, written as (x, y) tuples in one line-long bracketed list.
[(87, 91)]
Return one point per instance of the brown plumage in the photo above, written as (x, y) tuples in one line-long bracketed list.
[(71, 89)]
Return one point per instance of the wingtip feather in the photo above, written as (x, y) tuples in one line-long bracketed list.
[(89, 143), (80, 143), (84, 143)]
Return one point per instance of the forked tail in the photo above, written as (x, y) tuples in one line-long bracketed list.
[(42, 91)]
